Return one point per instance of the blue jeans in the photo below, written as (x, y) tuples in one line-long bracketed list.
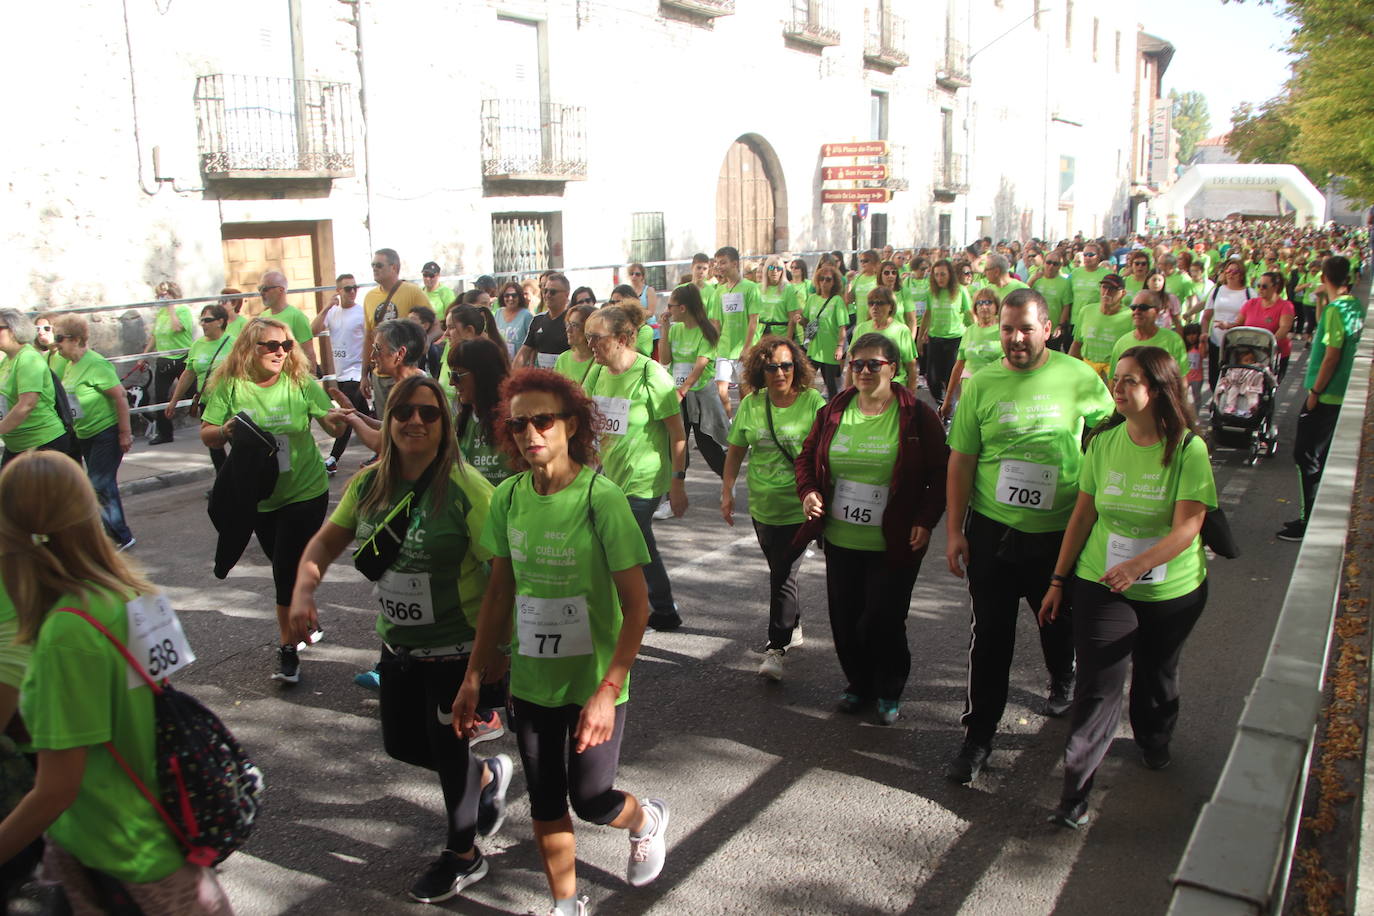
[(655, 576), (103, 455)]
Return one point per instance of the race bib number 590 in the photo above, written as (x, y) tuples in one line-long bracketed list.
[(615, 415)]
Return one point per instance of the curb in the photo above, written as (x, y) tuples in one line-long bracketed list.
[(166, 480)]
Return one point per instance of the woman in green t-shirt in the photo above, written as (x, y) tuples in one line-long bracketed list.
[(624, 296), (205, 355), (428, 600), (76, 697), (476, 369), (827, 327), (28, 399), (770, 426), (1132, 555), (943, 326), (171, 335), (576, 361), (266, 378), (567, 554), (781, 312), (980, 346), (883, 318), (690, 357)]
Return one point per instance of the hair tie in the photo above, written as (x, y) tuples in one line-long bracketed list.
[(38, 539)]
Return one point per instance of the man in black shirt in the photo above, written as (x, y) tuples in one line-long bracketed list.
[(548, 333)]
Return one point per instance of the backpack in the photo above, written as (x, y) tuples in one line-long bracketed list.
[(210, 789)]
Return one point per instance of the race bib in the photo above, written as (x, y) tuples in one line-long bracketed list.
[(340, 353), (615, 415), (283, 453), (4, 406), (859, 503), (545, 360), (156, 640), (78, 412), (1120, 549), (681, 371), (732, 303), (919, 307), (1027, 485), (553, 627), (405, 598)]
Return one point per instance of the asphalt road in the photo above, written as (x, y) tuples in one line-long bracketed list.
[(779, 803)]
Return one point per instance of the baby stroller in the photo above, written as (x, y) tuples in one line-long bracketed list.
[(1243, 403)]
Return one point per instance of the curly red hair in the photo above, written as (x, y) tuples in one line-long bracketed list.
[(576, 403)]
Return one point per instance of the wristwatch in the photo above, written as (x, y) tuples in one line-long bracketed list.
[(679, 475)]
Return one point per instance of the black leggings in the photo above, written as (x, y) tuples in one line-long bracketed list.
[(941, 355), (832, 375), (414, 694), (869, 601), (784, 610), (554, 771), (354, 392), (283, 534)]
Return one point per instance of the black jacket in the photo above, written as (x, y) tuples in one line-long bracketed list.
[(247, 476)]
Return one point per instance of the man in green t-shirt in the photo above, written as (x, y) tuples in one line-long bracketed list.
[(1145, 308), (1012, 484), (740, 304), (1058, 292), (440, 297), (1334, 343), (273, 291)]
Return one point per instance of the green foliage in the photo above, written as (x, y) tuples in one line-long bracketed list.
[(1191, 120), (1263, 135)]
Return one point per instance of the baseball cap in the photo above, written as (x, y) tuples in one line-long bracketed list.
[(430, 268), (1114, 281)]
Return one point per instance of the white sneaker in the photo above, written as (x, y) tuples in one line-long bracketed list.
[(581, 907), (797, 638), (648, 852), (664, 511), (771, 666)]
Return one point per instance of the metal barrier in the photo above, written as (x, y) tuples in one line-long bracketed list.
[(1239, 855)]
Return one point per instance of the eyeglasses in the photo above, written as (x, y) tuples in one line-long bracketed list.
[(348, 289), (272, 346), (778, 367), (890, 271), (428, 412), (868, 365), (457, 375), (585, 300), (264, 290), (1142, 308), (540, 421), (593, 338)]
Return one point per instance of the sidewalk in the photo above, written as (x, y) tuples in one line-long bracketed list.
[(183, 460)]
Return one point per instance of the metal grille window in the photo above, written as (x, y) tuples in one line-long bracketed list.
[(646, 244), (520, 242), (877, 231)]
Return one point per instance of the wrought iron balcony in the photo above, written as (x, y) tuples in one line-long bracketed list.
[(812, 23), (953, 71), (274, 127), (885, 39), (707, 8), (528, 140), (951, 176)]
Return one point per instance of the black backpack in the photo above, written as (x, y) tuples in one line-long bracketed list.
[(210, 790)]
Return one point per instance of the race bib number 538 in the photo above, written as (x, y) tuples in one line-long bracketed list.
[(156, 640)]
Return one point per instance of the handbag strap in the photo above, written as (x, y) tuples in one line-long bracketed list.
[(768, 412)]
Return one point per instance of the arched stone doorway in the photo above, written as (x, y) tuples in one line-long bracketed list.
[(751, 198)]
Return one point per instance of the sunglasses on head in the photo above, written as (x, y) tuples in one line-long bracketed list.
[(868, 365), (542, 422), (778, 367), (428, 412), (272, 346)]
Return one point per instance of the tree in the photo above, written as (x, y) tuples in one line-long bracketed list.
[(1191, 120), (1263, 135)]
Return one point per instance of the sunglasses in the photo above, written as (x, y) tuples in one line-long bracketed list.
[(348, 289), (263, 290), (585, 300), (209, 319), (985, 302), (58, 338), (1053, 263), (272, 346), (457, 375), (778, 367), (510, 295), (1142, 308), (428, 273), (634, 273), (379, 265), (43, 328), (868, 365), (542, 422), (428, 412)]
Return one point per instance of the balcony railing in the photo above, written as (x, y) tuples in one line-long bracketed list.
[(953, 71), (951, 176), (812, 23), (710, 9), (885, 39), (274, 127), (527, 140)]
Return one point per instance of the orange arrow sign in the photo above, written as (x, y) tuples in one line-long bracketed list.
[(855, 196), (853, 172), (862, 148)]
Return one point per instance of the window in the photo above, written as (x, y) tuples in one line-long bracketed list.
[(1117, 52), (1096, 23), (1068, 23), (877, 107), (944, 229), (646, 244), (525, 241), (1037, 15), (877, 230)]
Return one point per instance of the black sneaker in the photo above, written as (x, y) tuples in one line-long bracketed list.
[(1291, 532), (289, 661), (664, 621), (1157, 758), (447, 876), (491, 804), (1072, 815), (159, 440), (968, 763), (1060, 697)]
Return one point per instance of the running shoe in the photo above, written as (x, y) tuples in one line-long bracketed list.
[(1060, 698), (1157, 758), (579, 908), (647, 852), (331, 465), (489, 728), (797, 638), (968, 763), (315, 636), (771, 666), (663, 512), (1072, 815), (447, 875), (491, 803), (369, 679), (850, 703), (1291, 532), (889, 711), (664, 621), (369, 462), (126, 545), (289, 663)]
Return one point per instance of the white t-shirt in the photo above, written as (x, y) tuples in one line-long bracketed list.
[(1225, 307), (346, 339)]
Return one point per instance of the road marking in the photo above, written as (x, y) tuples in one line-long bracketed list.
[(689, 570)]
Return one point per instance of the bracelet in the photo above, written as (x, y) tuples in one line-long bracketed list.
[(607, 682), (1057, 579), (1059, 585)]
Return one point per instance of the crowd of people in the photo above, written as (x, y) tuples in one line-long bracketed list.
[(1042, 400)]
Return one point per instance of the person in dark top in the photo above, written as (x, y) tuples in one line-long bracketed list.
[(548, 333)]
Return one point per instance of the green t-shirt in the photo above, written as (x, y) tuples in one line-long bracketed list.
[(772, 475), (773, 303), (949, 314), (57, 363), (284, 409), (1133, 286), (831, 318), (205, 355), (1098, 332), (1134, 495), (77, 694), (1025, 428), (567, 610), (916, 294), (1180, 286), (164, 338), (644, 340), (236, 326), (980, 347), (1058, 292), (687, 346), (862, 455), (86, 382), (861, 286), (294, 319), (634, 439), (737, 303), (1005, 290), (567, 365), (1342, 324), (900, 335), (440, 298), (25, 372), (430, 597), (483, 454), (1087, 290), (1164, 338), (794, 299)]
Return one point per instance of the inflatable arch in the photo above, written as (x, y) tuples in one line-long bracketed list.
[(1288, 180)]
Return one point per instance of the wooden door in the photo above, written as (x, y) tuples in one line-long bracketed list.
[(744, 202), (246, 260)]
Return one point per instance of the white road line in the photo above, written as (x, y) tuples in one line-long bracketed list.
[(689, 569)]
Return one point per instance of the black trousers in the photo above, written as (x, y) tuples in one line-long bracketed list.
[(165, 374), (941, 355), (1006, 566), (869, 602), (354, 392), (1112, 633), (1311, 443), (1213, 365), (833, 377), (413, 696), (555, 772), (283, 534), (62, 443), (784, 560)]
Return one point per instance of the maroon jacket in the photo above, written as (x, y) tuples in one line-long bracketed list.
[(917, 495)]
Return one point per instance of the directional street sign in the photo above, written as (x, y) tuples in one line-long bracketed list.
[(855, 195), (853, 172)]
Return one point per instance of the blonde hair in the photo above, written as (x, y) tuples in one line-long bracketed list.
[(51, 539), (774, 261), (241, 363)]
